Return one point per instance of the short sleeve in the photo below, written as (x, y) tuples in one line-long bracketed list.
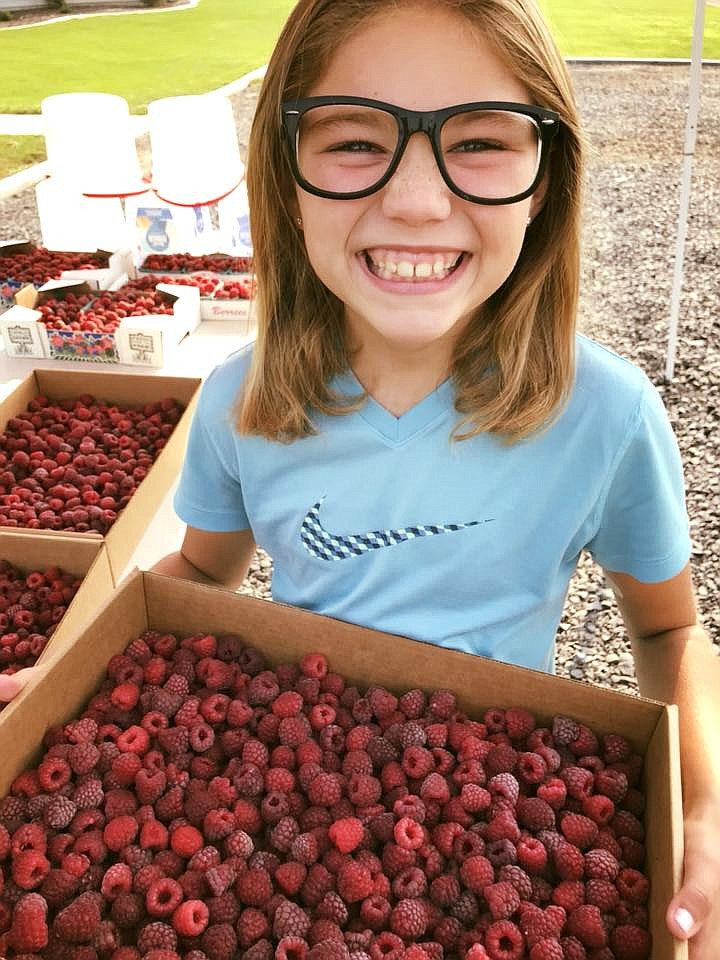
[(642, 526), (209, 495)]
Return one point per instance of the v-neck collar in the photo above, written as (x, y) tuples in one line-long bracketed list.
[(398, 429)]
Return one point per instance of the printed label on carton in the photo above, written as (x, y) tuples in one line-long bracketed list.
[(142, 347), (22, 340)]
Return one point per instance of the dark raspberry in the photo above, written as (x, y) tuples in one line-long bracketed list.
[(77, 922)]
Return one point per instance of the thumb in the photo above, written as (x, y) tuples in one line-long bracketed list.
[(12, 683), (691, 906)]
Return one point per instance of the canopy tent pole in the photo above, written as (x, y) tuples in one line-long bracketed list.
[(688, 151)]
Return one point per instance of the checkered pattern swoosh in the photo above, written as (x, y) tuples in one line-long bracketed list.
[(327, 546)]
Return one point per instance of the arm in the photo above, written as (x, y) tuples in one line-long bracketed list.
[(675, 663), (209, 557)]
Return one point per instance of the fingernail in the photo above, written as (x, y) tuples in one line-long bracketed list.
[(684, 919)]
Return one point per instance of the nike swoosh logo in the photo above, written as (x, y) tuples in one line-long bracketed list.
[(330, 546)]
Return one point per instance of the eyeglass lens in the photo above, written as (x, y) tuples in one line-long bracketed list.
[(489, 154)]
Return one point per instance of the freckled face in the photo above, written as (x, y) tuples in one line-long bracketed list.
[(423, 60)]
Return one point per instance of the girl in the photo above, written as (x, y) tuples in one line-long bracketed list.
[(418, 437)]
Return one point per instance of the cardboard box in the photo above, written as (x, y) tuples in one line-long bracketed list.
[(145, 341), (86, 559), (148, 601), (128, 390), (120, 264)]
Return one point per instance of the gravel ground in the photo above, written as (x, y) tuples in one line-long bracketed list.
[(634, 117)]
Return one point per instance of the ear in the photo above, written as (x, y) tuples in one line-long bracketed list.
[(537, 200)]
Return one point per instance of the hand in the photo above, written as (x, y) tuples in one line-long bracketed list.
[(12, 683), (698, 900)]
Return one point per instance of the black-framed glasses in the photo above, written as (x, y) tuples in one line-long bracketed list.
[(489, 152)]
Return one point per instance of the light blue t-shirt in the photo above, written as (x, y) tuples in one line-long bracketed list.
[(383, 521)]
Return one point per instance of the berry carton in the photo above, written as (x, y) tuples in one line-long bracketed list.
[(227, 284), (86, 560), (22, 265), (123, 390), (147, 340), (74, 670)]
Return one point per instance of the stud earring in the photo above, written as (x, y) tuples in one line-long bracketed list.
[(529, 221), (298, 221)]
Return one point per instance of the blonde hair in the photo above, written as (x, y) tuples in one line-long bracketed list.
[(513, 365)]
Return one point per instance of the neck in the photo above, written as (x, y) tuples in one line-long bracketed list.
[(398, 382)]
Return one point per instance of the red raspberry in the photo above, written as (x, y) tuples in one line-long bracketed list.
[(531, 854), (603, 894), (477, 873), (503, 941), (632, 885), (585, 743), (630, 943), (519, 723), (290, 921), (29, 931), (409, 919), (569, 894), (585, 923), (615, 749), (626, 824), (412, 704), (59, 812), (502, 899), (443, 704), (578, 781), (314, 665), (531, 768), (163, 897), (572, 948), (564, 730), (354, 882), (77, 922), (219, 941), (156, 936), (190, 918), (346, 833), (553, 792), (120, 832), (547, 950), (599, 808), (29, 869), (535, 814), (612, 784), (186, 840), (117, 880), (382, 702), (254, 888), (601, 865), (579, 830)]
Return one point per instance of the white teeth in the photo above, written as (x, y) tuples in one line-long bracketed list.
[(386, 266)]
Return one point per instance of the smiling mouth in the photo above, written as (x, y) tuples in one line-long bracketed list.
[(415, 268)]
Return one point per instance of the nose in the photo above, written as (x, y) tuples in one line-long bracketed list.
[(417, 192)]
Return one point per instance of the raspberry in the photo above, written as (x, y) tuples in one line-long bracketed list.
[(77, 922), (163, 897), (219, 941), (626, 824), (547, 950), (29, 869), (254, 888), (29, 931), (354, 882), (601, 865), (117, 880), (156, 936), (476, 873), (578, 781), (599, 808), (602, 894), (409, 919), (58, 888), (59, 812), (630, 942), (569, 861), (531, 767), (515, 875), (314, 665), (535, 814), (127, 910), (585, 923), (346, 834), (502, 899), (564, 730), (504, 941), (290, 921), (572, 948), (89, 795), (443, 704), (186, 840), (53, 773), (519, 723), (190, 918), (632, 885), (120, 832), (288, 948), (579, 830), (531, 854), (412, 704)]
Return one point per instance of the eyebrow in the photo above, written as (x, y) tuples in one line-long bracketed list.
[(362, 118)]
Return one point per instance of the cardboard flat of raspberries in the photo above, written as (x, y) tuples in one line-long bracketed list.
[(125, 390), (75, 668), (84, 558)]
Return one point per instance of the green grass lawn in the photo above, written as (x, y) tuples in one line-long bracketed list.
[(630, 28), (191, 51), (19, 152)]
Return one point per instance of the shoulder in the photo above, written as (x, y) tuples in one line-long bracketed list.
[(221, 388), (608, 383)]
